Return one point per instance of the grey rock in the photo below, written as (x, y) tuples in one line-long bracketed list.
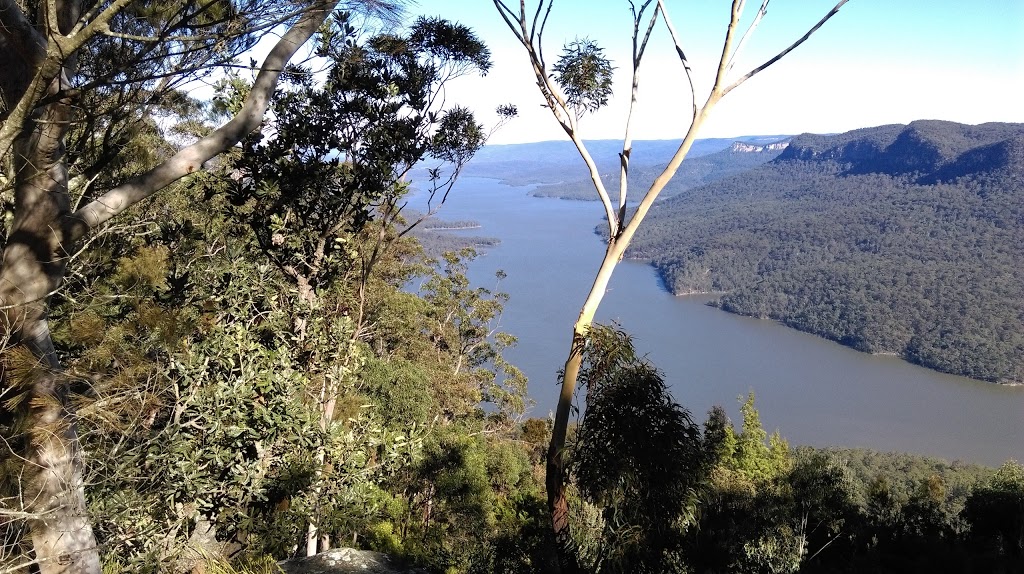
[(348, 561)]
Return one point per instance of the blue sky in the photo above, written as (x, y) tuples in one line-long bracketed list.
[(876, 62)]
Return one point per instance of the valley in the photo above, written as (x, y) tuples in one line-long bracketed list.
[(904, 240), (812, 390)]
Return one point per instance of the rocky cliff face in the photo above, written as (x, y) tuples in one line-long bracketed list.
[(741, 147), (931, 151)]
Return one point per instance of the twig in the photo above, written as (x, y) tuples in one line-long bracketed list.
[(681, 54), (792, 47), (761, 12)]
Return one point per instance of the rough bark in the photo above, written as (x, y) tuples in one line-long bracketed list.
[(35, 255), (33, 267), (21, 50)]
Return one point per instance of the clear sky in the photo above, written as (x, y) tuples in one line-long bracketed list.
[(876, 62)]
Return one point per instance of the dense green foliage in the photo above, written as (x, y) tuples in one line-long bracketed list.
[(206, 380), (585, 76), (658, 494), (900, 239), (204, 376), (253, 373), (638, 461)]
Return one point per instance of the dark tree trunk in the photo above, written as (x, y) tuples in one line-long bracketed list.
[(34, 262)]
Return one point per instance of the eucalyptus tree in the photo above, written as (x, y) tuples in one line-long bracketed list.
[(58, 58), (638, 457), (580, 82), (334, 156)]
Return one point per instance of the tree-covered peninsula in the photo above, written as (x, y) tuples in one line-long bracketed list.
[(897, 239)]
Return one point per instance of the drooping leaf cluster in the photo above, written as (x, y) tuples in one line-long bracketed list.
[(638, 456), (585, 75)]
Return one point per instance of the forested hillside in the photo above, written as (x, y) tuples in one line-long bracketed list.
[(896, 239), (257, 362)]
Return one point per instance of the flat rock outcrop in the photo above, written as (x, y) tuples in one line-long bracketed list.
[(348, 561)]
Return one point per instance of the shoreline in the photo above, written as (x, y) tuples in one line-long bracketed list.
[(459, 228)]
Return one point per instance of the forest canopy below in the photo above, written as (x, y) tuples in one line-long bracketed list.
[(905, 240)]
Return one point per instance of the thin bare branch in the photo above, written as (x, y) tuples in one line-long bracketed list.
[(681, 54), (595, 177), (21, 514), (666, 175), (761, 12), (639, 54), (106, 31), (737, 12), (700, 115), (627, 139), (86, 30), (536, 18), (554, 98), (23, 567), (792, 47), (540, 35), (552, 95), (506, 14)]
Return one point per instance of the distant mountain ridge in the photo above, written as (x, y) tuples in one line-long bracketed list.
[(931, 149), (696, 169), (902, 239), (558, 161)]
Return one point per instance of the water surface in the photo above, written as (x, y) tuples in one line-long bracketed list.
[(812, 390)]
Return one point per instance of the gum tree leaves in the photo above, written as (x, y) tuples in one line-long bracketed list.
[(585, 75)]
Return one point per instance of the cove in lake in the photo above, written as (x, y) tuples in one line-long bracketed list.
[(813, 391)]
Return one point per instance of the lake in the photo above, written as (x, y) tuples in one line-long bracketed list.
[(813, 391)]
